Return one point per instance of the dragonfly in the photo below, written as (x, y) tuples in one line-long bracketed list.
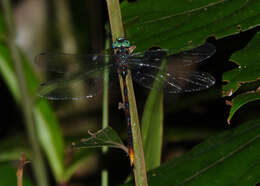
[(83, 78)]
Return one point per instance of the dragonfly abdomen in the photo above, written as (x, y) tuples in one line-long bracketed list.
[(123, 72)]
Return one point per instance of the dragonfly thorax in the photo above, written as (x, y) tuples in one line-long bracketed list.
[(122, 51), (122, 58)]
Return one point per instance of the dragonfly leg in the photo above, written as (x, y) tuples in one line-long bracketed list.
[(131, 49)]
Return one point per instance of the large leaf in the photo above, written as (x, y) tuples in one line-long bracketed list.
[(47, 126), (248, 70), (176, 24), (230, 158), (241, 100)]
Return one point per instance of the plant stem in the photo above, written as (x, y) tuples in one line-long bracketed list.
[(117, 29), (139, 164), (19, 172), (115, 18), (104, 174), (25, 100)]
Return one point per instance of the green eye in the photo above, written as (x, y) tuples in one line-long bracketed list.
[(116, 44), (126, 43)]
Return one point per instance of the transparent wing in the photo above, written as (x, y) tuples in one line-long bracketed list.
[(193, 56), (188, 82), (152, 57), (83, 84), (69, 63)]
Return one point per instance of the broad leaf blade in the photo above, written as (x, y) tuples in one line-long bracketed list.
[(231, 158), (248, 61), (175, 24), (248, 70), (241, 100)]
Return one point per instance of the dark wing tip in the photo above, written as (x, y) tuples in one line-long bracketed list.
[(213, 47)]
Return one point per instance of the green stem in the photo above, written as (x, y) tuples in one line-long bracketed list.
[(115, 18), (26, 101), (117, 29), (104, 174)]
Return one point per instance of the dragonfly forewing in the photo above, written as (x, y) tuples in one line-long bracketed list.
[(69, 63), (84, 84), (193, 56), (153, 57)]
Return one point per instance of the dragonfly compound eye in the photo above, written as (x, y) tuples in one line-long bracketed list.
[(116, 44), (126, 43)]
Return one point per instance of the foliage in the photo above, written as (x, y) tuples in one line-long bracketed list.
[(230, 158)]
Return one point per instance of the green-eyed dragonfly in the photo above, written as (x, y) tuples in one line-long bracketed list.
[(88, 70)]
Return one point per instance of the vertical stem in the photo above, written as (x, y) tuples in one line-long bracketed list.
[(26, 101), (117, 29), (104, 174), (19, 172), (115, 19), (139, 164)]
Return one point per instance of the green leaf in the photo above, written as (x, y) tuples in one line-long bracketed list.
[(241, 100), (46, 123), (50, 137), (230, 158), (175, 24), (8, 176), (248, 70), (7, 71), (152, 129), (152, 124), (105, 137)]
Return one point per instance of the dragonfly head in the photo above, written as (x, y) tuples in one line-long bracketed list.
[(121, 45)]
